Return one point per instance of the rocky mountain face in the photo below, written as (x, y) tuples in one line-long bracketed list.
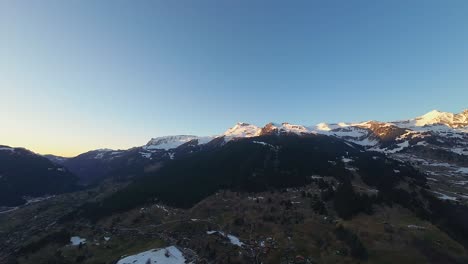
[(434, 131), (439, 135), (438, 131)]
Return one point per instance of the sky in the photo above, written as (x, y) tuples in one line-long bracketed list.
[(82, 75)]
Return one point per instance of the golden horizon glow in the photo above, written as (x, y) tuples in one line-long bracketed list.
[(67, 151), (64, 137)]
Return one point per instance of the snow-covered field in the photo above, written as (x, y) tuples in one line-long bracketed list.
[(443, 196), (233, 239), (76, 240), (168, 255)]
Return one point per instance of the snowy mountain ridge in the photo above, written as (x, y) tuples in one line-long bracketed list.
[(411, 138), (171, 142), (441, 129)]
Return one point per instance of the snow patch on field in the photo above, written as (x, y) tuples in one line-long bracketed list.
[(233, 239), (76, 240), (171, 155), (400, 147), (261, 143), (460, 151), (416, 227), (443, 196), (4, 210), (168, 255), (264, 144)]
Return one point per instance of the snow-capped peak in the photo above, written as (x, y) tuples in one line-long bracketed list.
[(241, 130), (298, 129), (171, 142), (436, 117), (285, 128), (328, 127)]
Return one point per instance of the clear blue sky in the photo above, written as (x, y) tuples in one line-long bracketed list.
[(78, 75)]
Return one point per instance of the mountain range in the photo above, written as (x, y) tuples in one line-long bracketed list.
[(436, 133), (329, 193)]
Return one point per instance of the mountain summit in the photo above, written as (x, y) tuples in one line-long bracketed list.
[(445, 118)]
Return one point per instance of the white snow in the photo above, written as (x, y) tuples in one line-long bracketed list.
[(416, 227), (145, 155), (290, 128), (437, 117), (265, 144), (443, 196), (351, 132), (161, 207), (460, 182), (422, 143), (101, 152), (261, 143), (436, 164), (233, 239), (8, 209), (168, 255), (204, 140), (255, 198), (7, 148), (31, 200), (328, 127), (400, 147), (356, 133), (172, 142), (460, 151), (436, 120), (242, 130), (463, 170), (76, 240), (442, 123)]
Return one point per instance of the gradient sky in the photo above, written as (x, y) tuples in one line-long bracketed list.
[(81, 75)]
